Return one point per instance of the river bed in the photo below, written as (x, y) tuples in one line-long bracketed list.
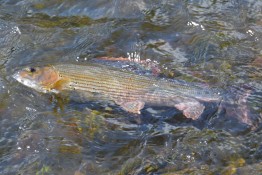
[(215, 43)]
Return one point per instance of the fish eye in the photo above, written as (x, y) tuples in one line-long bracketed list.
[(32, 70)]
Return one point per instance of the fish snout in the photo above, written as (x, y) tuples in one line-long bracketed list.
[(17, 76)]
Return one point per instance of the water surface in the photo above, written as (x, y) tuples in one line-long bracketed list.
[(215, 43)]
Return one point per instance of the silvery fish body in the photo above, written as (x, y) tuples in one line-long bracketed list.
[(129, 90)]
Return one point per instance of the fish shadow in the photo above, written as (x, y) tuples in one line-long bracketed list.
[(211, 118)]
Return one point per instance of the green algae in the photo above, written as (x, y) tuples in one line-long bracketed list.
[(65, 149), (44, 170), (130, 166), (94, 123), (188, 151), (39, 6), (45, 21)]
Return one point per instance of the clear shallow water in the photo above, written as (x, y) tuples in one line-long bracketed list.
[(213, 42)]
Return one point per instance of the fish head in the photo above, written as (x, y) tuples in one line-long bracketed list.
[(41, 79)]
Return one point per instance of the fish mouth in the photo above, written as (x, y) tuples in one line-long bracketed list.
[(27, 82), (17, 77)]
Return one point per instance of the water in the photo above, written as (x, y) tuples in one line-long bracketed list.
[(217, 43)]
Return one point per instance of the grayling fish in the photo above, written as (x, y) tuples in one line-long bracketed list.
[(129, 90)]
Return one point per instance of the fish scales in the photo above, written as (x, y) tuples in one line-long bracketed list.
[(123, 78), (97, 86), (123, 84), (119, 85), (137, 81), (129, 90), (105, 83), (104, 76)]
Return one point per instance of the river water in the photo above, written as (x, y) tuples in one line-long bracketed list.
[(217, 43)]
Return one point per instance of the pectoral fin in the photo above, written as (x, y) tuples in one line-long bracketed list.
[(59, 85), (191, 110), (131, 106)]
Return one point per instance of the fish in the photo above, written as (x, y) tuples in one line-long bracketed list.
[(129, 90)]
